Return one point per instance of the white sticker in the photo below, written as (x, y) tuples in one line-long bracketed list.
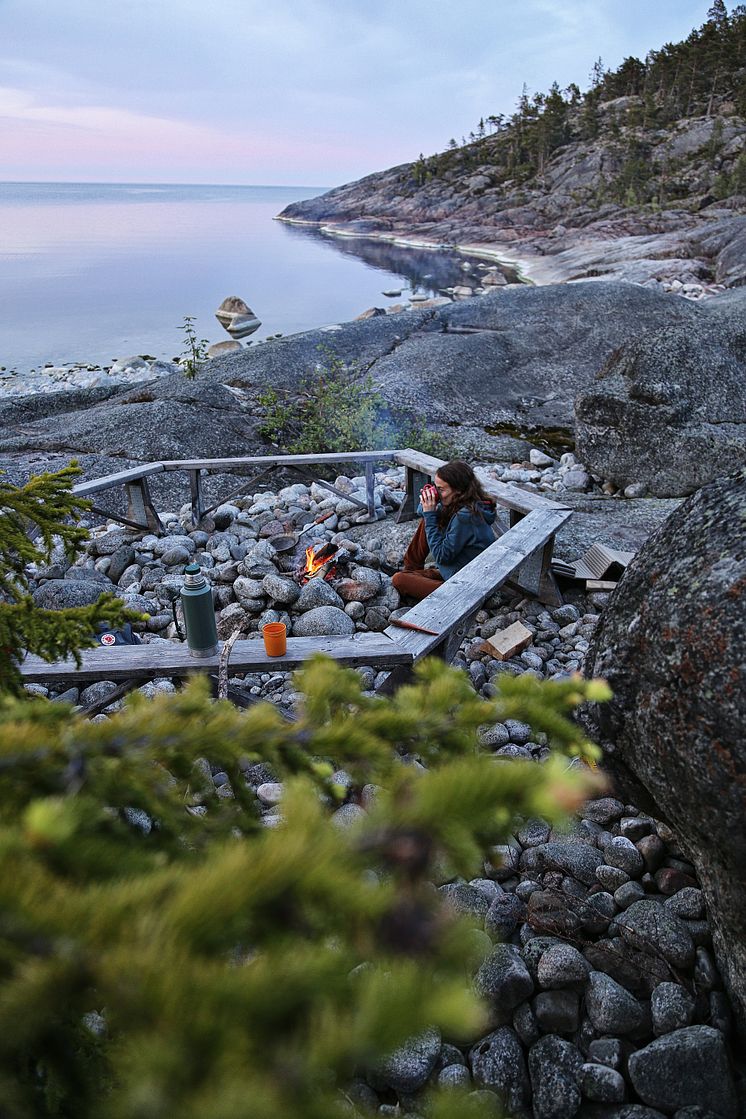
[(108, 639)]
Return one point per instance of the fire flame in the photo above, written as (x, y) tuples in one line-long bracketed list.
[(317, 559)]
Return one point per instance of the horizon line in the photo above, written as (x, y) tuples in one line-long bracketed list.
[(143, 182)]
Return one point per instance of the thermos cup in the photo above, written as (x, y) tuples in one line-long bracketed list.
[(199, 615)]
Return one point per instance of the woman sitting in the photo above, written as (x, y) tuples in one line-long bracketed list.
[(457, 516)]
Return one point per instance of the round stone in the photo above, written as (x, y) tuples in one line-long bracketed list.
[(601, 1084), (623, 854), (317, 593), (504, 915), (279, 589), (409, 1066), (504, 978), (671, 1008), (562, 965), (323, 620)]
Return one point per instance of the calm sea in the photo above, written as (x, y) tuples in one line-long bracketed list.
[(92, 272)]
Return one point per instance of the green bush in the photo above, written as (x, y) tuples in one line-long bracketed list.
[(337, 408), (47, 505), (163, 953)]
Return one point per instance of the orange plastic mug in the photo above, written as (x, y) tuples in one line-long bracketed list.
[(275, 636)]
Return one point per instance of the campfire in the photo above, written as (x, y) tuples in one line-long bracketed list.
[(321, 562)]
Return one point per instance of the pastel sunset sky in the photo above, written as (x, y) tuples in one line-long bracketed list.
[(297, 92)]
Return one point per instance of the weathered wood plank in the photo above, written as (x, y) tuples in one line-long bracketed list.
[(278, 460), (463, 594), (95, 485), (523, 501), (142, 662)]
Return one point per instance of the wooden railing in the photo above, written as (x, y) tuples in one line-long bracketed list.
[(522, 554)]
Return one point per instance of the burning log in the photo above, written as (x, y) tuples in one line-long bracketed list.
[(320, 562)]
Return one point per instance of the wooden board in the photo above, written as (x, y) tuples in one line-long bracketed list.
[(277, 460), (142, 662), (107, 481), (601, 585), (461, 596), (509, 496)]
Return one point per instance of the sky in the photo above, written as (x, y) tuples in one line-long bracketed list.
[(286, 92)]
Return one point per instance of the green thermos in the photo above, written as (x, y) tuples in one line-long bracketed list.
[(199, 615)]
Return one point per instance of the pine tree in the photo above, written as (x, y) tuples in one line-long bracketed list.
[(45, 506), (165, 953)]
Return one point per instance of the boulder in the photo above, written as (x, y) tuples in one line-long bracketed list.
[(671, 647), (669, 410), (687, 1067), (60, 594)]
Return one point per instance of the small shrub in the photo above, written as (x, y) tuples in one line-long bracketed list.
[(194, 353), (337, 408)]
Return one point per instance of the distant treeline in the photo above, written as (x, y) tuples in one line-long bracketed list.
[(696, 77)]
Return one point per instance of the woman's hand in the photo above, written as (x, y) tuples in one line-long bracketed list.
[(428, 499)]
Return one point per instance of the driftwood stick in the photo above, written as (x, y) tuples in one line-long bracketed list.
[(411, 625), (225, 654)]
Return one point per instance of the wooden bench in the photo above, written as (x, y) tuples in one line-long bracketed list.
[(522, 555)]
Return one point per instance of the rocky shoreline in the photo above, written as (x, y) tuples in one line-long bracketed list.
[(596, 952)]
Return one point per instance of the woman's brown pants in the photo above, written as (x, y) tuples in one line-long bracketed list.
[(417, 581)]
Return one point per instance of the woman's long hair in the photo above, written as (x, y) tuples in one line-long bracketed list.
[(467, 489)]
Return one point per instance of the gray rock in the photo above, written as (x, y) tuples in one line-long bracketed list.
[(519, 732), (686, 1068), (628, 894), (465, 899), (687, 903), (94, 693), (669, 410), (553, 1066), (454, 1076), (494, 737), (652, 927), (604, 810), (601, 1084), (607, 1051), (557, 1012), (60, 594), (675, 748), (497, 1062), (323, 620), (562, 965), (671, 1008), (409, 1066), (175, 557), (611, 1008), (121, 559), (579, 860), (504, 978), (622, 853), (533, 833), (281, 590), (611, 877), (317, 593), (504, 915)]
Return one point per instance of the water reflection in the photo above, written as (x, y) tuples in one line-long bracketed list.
[(423, 270)]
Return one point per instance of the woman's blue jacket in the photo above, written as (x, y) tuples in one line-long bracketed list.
[(462, 539)]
